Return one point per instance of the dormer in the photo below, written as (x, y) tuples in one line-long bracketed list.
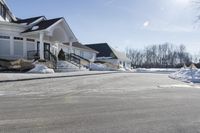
[(5, 13), (30, 21)]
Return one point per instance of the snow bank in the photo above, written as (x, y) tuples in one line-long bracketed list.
[(122, 69), (39, 68), (154, 70), (187, 75)]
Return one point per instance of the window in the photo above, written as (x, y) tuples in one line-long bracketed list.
[(77, 52), (82, 54), (18, 38), (30, 40), (4, 37), (66, 50), (2, 11), (88, 55), (4, 47), (18, 48)]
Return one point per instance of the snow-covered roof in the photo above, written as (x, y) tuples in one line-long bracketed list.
[(42, 25), (28, 21)]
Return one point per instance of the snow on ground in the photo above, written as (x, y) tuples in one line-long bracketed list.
[(39, 68), (187, 75), (180, 86), (154, 70), (102, 67), (99, 67)]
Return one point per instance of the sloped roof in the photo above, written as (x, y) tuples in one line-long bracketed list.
[(79, 45), (28, 20), (106, 51), (43, 25), (103, 49)]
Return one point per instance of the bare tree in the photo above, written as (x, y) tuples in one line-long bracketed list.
[(162, 55)]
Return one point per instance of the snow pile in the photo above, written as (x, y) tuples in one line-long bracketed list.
[(154, 70), (122, 69), (39, 68), (187, 75)]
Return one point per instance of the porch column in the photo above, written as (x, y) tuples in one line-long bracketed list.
[(11, 45), (41, 46), (70, 47), (24, 48)]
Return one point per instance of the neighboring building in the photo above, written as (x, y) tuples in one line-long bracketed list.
[(110, 55), (82, 50), (25, 38)]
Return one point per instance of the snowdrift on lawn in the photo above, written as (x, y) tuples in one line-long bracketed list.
[(39, 68), (187, 75)]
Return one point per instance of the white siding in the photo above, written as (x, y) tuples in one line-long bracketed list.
[(30, 46), (89, 55)]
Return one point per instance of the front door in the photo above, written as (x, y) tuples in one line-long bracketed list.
[(46, 50)]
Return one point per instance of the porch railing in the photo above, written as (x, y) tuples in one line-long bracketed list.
[(77, 60), (73, 60), (52, 57)]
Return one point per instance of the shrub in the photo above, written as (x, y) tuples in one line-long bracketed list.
[(61, 55)]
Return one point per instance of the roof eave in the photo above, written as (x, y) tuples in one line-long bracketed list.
[(32, 32), (12, 24)]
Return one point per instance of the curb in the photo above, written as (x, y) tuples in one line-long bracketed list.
[(56, 77)]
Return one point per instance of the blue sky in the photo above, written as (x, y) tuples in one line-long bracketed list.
[(121, 23)]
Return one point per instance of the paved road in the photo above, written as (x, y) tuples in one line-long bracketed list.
[(115, 103)]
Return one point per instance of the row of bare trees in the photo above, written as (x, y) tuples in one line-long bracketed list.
[(160, 56)]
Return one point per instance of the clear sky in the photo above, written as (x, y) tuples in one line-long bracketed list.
[(121, 23)]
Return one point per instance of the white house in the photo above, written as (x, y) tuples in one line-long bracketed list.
[(26, 38), (110, 55)]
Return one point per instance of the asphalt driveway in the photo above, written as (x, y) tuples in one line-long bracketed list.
[(112, 103)]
